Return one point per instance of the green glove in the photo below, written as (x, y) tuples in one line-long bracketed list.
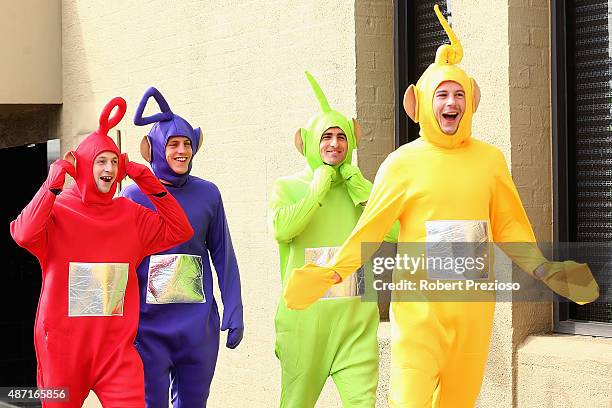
[(347, 171), (570, 280), (322, 179), (359, 187), (291, 217)]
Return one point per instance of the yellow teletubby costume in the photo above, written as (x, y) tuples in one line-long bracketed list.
[(441, 179)]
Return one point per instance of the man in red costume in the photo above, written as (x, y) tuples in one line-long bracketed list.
[(88, 245)]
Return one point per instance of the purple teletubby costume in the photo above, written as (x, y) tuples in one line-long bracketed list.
[(178, 333)]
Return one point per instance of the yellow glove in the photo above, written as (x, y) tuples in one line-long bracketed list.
[(306, 285), (571, 280)]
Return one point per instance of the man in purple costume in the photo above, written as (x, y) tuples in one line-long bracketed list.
[(178, 333)]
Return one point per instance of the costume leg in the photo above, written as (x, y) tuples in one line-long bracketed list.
[(193, 373), (301, 348), (120, 381), (461, 378), (157, 364), (419, 345), (61, 365), (355, 366), (301, 380)]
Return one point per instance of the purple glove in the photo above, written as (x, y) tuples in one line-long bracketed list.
[(234, 337)]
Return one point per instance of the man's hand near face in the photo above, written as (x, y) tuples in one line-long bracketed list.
[(57, 173), (322, 179), (347, 171), (132, 169)]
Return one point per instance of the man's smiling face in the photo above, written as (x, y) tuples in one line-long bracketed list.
[(105, 168), (178, 154), (448, 106), (333, 146)]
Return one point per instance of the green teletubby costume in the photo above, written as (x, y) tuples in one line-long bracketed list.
[(318, 208)]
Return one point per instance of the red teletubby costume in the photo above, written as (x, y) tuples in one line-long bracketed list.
[(88, 245)]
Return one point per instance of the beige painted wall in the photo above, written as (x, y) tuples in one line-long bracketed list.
[(30, 51)]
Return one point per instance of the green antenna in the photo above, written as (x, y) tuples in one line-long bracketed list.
[(318, 92)]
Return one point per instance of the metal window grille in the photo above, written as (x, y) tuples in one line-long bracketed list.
[(582, 129)]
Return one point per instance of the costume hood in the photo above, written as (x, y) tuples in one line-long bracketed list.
[(92, 146), (167, 124), (318, 124), (444, 69)]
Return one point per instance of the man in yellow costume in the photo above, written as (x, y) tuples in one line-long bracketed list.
[(441, 180)]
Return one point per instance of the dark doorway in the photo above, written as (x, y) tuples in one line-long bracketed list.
[(24, 169)]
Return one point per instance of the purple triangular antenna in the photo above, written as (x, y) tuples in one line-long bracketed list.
[(165, 114)]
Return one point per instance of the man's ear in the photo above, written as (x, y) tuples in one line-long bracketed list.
[(145, 148), (357, 131), (476, 90), (298, 141), (70, 157), (411, 103)]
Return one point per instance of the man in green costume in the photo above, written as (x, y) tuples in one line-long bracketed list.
[(314, 211)]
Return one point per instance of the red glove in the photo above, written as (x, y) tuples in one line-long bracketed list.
[(123, 159), (146, 180), (57, 175), (135, 170)]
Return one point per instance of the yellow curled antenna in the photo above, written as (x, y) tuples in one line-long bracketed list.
[(448, 54)]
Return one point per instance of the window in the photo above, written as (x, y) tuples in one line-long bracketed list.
[(582, 143)]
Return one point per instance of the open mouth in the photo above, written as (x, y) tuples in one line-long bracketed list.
[(181, 159), (450, 116), (106, 179)]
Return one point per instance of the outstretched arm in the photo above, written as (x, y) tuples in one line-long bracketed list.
[(386, 202), (512, 232)]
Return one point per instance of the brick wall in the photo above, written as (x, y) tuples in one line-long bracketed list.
[(375, 84), (530, 116), (529, 35)]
